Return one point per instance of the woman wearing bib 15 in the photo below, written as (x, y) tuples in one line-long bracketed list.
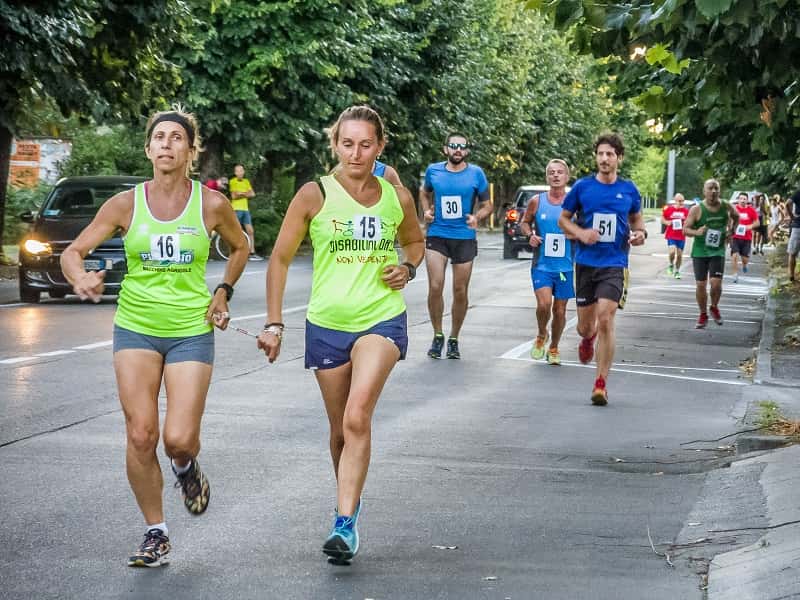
[(163, 324), (356, 319)]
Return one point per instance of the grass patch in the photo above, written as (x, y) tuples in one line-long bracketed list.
[(771, 420)]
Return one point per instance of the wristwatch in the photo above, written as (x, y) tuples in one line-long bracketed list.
[(412, 270), (228, 290)]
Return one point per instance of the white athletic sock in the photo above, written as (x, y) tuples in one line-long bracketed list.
[(180, 470), (162, 526)]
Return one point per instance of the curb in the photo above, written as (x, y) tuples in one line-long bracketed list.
[(755, 443), (763, 374)]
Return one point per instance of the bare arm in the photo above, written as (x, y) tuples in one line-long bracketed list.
[(114, 214), (638, 233), (525, 225), (305, 204), (691, 219), (391, 176), (574, 231), (410, 237), (426, 200), (219, 217)]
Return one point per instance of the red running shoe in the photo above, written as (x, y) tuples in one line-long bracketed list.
[(715, 315), (586, 349), (702, 321), (599, 393)]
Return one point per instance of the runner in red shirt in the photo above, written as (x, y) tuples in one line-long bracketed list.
[(743, 234), (672, 217)]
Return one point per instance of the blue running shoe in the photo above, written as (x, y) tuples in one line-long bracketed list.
[(436, 346), (744, 268), (342, 543)]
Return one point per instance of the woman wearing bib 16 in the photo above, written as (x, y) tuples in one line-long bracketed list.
[(710, 223), (163, 324), (356, 319)]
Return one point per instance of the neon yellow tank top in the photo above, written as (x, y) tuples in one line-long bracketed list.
[(352, 245), (164, 293)]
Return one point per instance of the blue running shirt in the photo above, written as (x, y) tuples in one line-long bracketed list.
[(379, 168), (604, 207), (554, 255), (455, 195)]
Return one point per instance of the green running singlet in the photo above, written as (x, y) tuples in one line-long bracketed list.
[(164, 293), (713, 242), (352, 246)]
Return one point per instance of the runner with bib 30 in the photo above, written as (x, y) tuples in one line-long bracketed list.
[(608, 221), (710, 223)]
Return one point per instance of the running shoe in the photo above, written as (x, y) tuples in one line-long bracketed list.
[(255, 257), (553, 357), (744, 268), (436, 346), (702, 321), (452, 348), (677, 274), (735, 278), (342, 544), (194, 488), (153, 552), (599, 393), (586, 349), (670, 270), (538, 349), (715, 315)]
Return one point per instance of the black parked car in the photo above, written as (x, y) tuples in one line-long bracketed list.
[(69, 208), (513, 240)]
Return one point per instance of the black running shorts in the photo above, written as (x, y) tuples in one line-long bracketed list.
[(708, 266), (741, 247), (458, 251), (592, 283)]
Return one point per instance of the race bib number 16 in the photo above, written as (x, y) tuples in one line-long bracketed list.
[(606, 226), (166, 246)]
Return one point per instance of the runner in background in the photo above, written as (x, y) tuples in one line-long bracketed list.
[(672, 217)]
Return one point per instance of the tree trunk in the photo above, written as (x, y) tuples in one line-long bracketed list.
[(5, 159), (211, 159)]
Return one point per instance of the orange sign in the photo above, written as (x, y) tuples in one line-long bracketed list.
[(26, 152), (24, 165)]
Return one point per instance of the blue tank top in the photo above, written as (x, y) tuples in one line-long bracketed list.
[(554, 255), (379, 168)]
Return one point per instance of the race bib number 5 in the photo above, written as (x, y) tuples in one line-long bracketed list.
[(713, 238), (165, 246), (555, 245), (451, 207), (366, 227), (606, 226)]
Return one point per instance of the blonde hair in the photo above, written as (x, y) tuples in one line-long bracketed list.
[(360, 112), (558, 161), (195, 140)]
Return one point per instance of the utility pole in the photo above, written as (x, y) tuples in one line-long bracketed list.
[(670, 176)]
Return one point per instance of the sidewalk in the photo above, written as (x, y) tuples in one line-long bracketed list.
[(768, 568)]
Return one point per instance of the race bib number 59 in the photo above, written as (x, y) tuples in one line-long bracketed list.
[(606, 225), (713, 238)]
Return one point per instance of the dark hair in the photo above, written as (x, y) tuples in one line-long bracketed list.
[(453, 134), (360, 112), (612, 139)]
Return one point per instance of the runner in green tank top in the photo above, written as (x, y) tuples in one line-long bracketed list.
[(162, 329), (710, 223), (356, 321)]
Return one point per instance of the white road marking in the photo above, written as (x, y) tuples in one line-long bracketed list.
[(725, 308), (678, 317), (55, 353), (19, 359), (93, 346), (11, 305)]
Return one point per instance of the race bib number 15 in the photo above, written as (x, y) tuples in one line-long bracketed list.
[(366, 227), (606, 226), (451, 207)]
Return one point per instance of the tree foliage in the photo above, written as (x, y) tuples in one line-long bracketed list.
[(722, 75)]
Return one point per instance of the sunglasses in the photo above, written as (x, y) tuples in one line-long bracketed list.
[(454, 146)]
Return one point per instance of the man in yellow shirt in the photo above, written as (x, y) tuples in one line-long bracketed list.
[(240, 190)]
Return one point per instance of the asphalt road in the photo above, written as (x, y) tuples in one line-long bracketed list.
[(491, 477)]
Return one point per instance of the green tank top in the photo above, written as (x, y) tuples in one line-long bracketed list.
[(164, 293), (713, 242), (352, 245)]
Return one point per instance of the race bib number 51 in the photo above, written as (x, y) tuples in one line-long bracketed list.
[(606, 226), (451, 207)]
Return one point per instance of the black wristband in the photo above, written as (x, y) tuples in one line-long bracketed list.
[(275, 324), (412, 270), (228, 290)]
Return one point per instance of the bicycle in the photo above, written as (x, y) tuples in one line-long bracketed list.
[(221, 247)]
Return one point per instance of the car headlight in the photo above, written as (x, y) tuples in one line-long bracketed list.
[(37, 248)]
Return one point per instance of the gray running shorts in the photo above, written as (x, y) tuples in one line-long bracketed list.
[(195, 348)]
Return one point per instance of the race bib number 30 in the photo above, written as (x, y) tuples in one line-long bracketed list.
[(741, 230), (555, 245), (606, 226), (451, 207), (713, 238), (166, 246), (366, 227), (677, 224)]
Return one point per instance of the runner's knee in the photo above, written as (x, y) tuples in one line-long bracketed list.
[(357, 423), (142, 439), (180, 444)]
